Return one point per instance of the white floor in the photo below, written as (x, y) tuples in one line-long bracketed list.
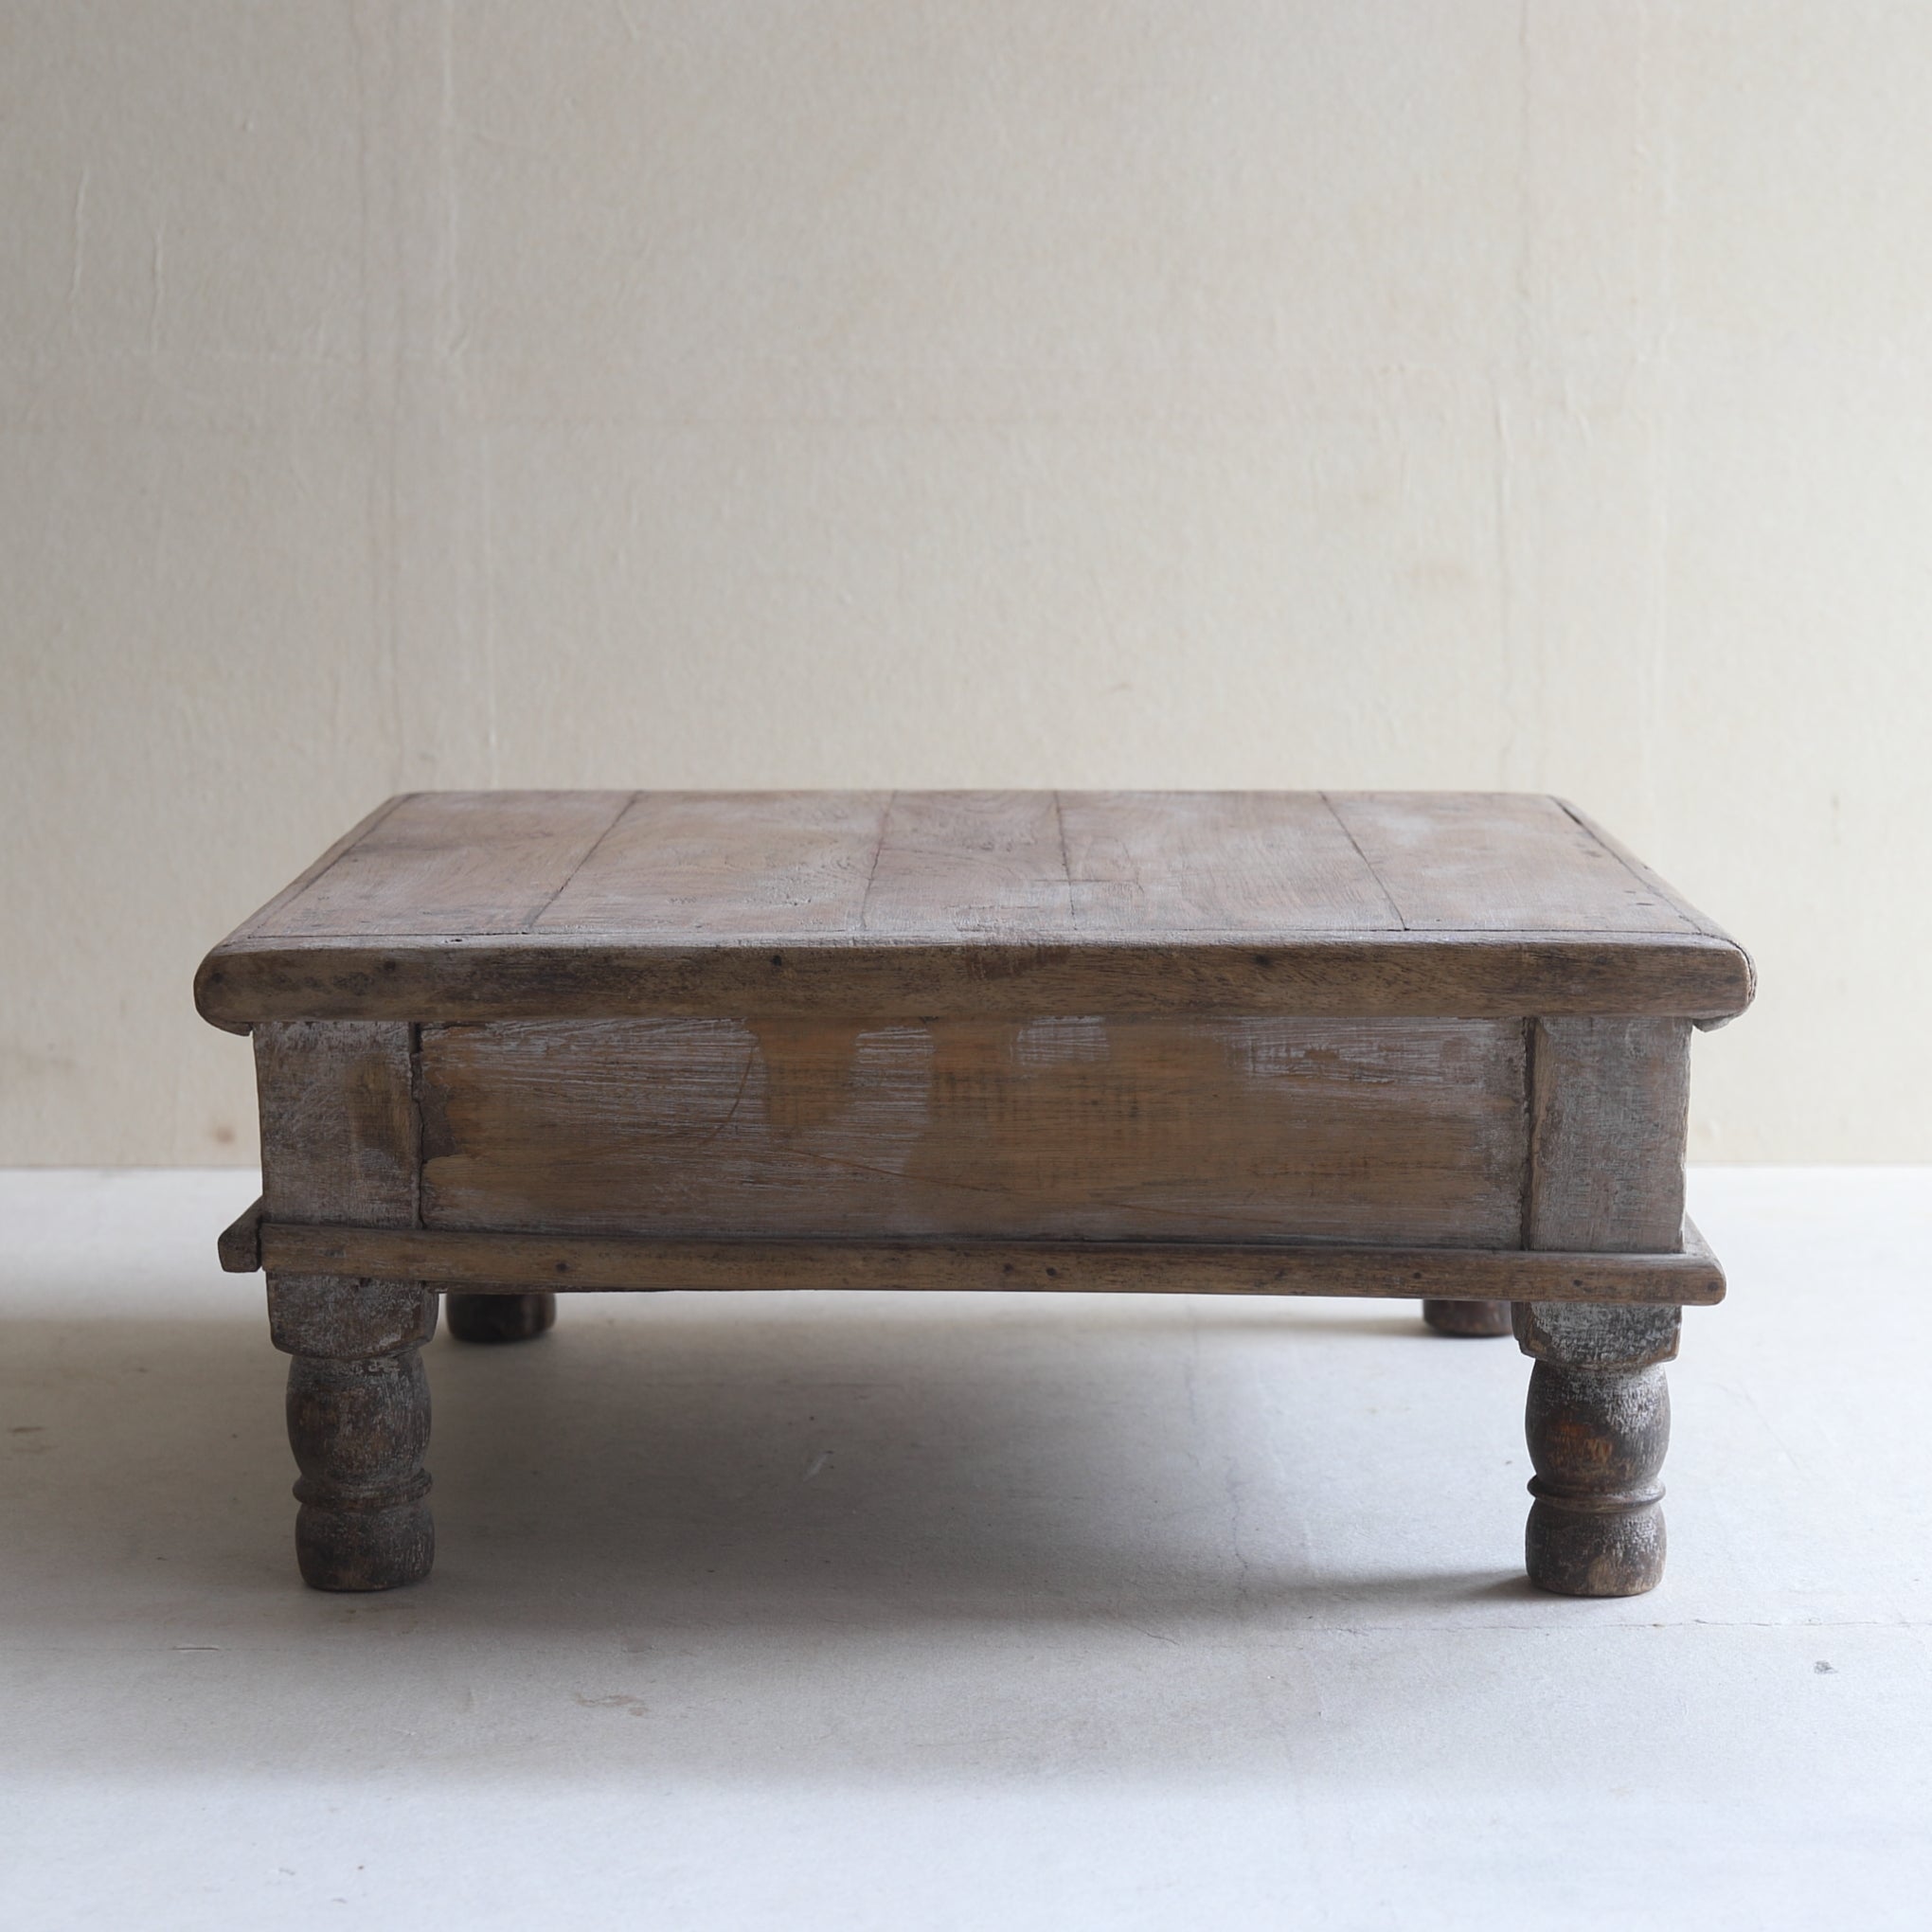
[(813, 1611)]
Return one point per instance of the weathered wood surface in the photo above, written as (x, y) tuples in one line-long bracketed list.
[(269, 915), (1701, 922), (726, 865), (1609, 1105), (338, 1121), (346, 1318), (238, 1245), (1581, 1336), (1232, 861), (358, 1420), (1479, 976), (1607, 1131), (1527, 863), (471, 906), (454, 861), (1397, 1131), (340, 1143), (1416, 1046), (510, 1262), (1599, 1425)]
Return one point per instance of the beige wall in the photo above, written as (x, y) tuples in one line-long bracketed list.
[(1189, 392)]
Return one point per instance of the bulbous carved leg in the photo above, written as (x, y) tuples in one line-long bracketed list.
[(1599, 1424), (500, 1317), (358, 1413), (1467, 1318)]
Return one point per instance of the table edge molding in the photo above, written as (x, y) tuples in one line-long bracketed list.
[(519, 1262)]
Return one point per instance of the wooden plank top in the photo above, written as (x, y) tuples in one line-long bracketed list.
[(474, 906)]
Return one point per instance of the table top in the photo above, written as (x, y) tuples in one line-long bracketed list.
[(472, 905)]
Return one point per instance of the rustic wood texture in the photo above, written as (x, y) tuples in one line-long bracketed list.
[(1480, 975), (1524, 860), (1607, 1104), (270, 913), (338, 1121), (464, 906), (1700, 922), (1580, 1334), (454, 861), (238, 1245), (340, 1317), (340, 1142), (358, 1420), (1609, 1107), (1598, 1424), (506, 1262), (1467, 1318), (1423, 1045), (1395, 1130), (1216, 862), (956, 866), (727, 865), (501, 1318)]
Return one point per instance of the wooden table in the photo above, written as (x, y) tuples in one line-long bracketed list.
[(1387, 1044)]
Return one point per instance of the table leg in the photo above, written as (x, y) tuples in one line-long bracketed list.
[(500, 1317), (1467, 1318), (1599, 1423), (358, 1414)]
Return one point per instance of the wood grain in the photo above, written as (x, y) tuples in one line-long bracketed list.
[(1647, 876), (1577, 1335), (481, 905), (266, 917), (554, 976), (1520, 858), (358, 1422), (338, 1121), (1609, 1113), (346, 1317), (1596, 1440), (1074, 1127), (510, 1263), (339, 1142), (727, 865), (1598, 1426), (1702, 921), (359, 1429), (1255, 863), (957, 866), (1608, 1101), (1393, 1045), (453, 862)]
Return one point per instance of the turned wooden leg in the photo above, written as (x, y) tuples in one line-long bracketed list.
[(500, 1317), (1599, 1423), (359, 1423), (1467, 1318)]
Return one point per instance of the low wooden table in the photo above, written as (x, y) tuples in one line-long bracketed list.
[(1383, 1044)]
